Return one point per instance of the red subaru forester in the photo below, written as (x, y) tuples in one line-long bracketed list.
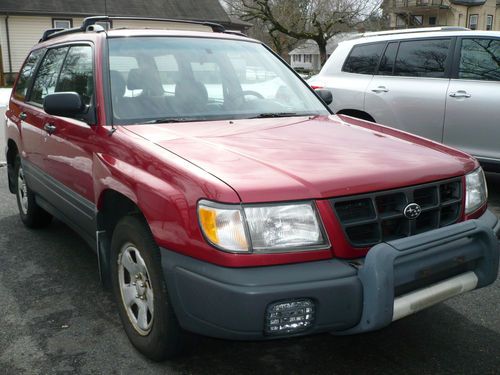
[(222, 196)]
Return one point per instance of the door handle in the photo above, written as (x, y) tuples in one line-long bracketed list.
[(23, 115), (380, 89), (460, 94), (49, 128)]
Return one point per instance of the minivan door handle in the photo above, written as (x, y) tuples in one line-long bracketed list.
[(23, 115), (460, 94), (380, 89), (49, 128)]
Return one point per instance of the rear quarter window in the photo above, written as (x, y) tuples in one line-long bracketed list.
[(364, 58)]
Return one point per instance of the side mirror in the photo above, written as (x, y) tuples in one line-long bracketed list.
[(325, 95), (65, 104)]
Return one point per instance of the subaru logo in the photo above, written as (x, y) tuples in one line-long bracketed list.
[(412, 211)]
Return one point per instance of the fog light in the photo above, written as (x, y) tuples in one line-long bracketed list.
[(289, 316)]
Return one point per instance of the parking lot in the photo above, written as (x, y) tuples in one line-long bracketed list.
[(56, 318)]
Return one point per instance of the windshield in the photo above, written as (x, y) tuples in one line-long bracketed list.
[(172, 79)]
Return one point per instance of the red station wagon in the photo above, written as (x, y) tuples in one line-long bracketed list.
[(224, 198)]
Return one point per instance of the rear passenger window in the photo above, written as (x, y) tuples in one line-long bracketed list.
[(480, 59), (26, 74), (46, 78), (364, 59), (77, 73), (387, 62), (422, 58)]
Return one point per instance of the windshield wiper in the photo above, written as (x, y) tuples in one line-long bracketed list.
[(275, 114), (169, 120)]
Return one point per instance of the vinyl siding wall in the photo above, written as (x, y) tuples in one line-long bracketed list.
[(25, 31)]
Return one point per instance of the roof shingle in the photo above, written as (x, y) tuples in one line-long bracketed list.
[(209, 10)]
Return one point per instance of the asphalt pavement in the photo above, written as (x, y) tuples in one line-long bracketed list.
[(56, 319)]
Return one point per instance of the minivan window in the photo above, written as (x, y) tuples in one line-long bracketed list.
[(46, 78), (387, 62), (76, 74), (422, 58), (364, 58), (26, 74), (480, 59)]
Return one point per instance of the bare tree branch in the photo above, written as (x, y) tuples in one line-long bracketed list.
[(317, 20)]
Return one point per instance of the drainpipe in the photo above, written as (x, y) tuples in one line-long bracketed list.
[(8, 42)]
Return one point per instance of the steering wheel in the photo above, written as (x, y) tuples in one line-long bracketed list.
[(251, 93)]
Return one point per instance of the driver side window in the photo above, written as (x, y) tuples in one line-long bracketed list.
[(77, 73)]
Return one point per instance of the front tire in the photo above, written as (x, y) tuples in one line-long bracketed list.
[(32, 215), (141, 292)]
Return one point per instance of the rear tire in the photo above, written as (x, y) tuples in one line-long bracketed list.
[(141, 292), (32, 215)]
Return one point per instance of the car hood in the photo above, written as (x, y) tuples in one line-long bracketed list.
[(296, 158)]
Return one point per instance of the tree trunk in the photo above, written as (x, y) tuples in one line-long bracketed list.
[(322, 51)]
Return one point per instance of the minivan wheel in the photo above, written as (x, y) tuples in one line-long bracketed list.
[(141, 292), (32, 215)]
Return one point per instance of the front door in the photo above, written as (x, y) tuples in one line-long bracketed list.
[(472, 121)]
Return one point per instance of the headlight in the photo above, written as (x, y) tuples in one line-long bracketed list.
[(476, 190), (262, 228)]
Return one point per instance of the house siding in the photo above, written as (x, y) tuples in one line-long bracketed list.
[(25, 31), (456, 15)]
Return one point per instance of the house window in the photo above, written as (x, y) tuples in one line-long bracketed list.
[(473, 18), (419, 20), (432, 21), (62, 23), (308, 58), (489, 22), (400, 22)]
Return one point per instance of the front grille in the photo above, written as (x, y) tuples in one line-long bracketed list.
[(369, 219)]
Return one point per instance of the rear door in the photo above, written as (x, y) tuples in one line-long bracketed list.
[(409, 90), (348, 82), (35, 118), (22, 114), (472, 121)]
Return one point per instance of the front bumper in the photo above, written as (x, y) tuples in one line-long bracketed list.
[(394, 280)]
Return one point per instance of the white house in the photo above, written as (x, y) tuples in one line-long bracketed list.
[(306, 56), (22, 22)]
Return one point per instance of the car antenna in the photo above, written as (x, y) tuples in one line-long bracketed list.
[(113, 129)]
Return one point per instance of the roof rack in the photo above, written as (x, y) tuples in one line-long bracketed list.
[(49, 32), (91, 21), (415, 30)]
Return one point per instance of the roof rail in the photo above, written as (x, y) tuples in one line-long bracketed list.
[(90, 21), (415, 30)]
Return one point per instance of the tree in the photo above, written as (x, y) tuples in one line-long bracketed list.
[(318, 20)]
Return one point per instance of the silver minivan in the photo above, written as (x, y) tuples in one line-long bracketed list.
[(440, 83)]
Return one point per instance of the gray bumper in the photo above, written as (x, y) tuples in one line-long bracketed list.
[(395, 279)]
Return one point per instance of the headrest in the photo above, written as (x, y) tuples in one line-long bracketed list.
[(135, 80), (191, 90), (117, 83)]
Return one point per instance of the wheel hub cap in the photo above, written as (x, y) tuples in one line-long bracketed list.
[(135, 289), (22, 191)]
